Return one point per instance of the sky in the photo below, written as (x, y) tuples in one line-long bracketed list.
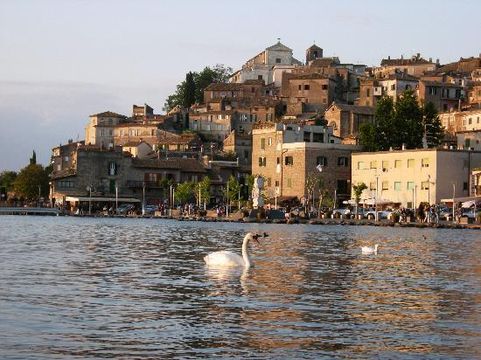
[(63, 60)]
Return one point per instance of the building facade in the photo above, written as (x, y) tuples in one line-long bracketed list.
[(409, 177), (286, 155)]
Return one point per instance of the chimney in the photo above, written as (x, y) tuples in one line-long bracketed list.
[(430, 59), (389, 57), (437, 62), (402, 57)]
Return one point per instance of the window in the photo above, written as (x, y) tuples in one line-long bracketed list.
[(259, 77), (278, 160), (278, 60), (385, 185), (307, 87), (65, 158), (425, 185), (425, 162), (410, 185), (397, 164), (465, 186), (299, 87), (65, 184), (342, 187), (470, 121), (263, 143), (246, 154), (342, 161), (368, 92), (385, 165), (269, 141), (410, 163), (360, 165), (262, 161), (277, 183), (324, 87), (318, 137), (289, 160), (393, 87), (321, 160), (269, 182), (372, 185), (307, 136), (373, 164), (397, 186), (289, 182)]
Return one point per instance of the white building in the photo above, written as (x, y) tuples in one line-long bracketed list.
[(409, 177)]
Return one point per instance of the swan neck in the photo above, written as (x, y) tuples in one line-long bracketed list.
[(245, 252)]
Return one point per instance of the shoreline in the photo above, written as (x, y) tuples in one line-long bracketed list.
[(339, 222)]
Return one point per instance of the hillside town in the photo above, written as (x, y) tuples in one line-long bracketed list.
[(297, 124)]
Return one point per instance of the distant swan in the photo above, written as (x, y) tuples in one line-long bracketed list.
[(230, 259), (368, 250)]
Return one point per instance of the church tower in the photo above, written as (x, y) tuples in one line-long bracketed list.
[(313, 53)]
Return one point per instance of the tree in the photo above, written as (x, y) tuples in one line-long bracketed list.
[(408, 122), (433, 127), (358, 189), (183, 94), (184, 192), (6, 179), (189, 92), (368, 137), (384, 116), (202, 191), (33, 159), (395, 125), (32, 182), (234, 188)]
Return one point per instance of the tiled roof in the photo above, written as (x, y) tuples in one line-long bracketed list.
[(404, 62), (167, 137), (109, 114), (357, 109), (182, 164), (324, 62), (278, 47), (224, 87)]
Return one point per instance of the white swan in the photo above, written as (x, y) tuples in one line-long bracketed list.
[(230, 259), (368, 250)]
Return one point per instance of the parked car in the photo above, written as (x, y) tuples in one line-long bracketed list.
[(150, 209), (446, 214), (469, 213), (382, 214), (124, 209), (343, 211)]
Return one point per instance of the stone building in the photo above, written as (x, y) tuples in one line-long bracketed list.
[(262, 66), (100, 128), (286, 155), (392, 85), (241, 145), (307, 92), (414, 66), (444, 96), (213, 125), (345, 120), (409, 177), (83, 174), (136, 131)]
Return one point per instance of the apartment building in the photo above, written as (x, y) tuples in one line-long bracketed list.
[(409, 177)]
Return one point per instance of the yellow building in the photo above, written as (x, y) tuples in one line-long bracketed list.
[(409, 177)]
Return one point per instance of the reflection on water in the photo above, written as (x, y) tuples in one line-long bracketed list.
[(139, 288)]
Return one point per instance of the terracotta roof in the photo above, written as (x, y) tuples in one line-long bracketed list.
[(307, 76), (224, 87), (357, 109), (253, 82), (109, 114), (437, 83), (324, 62), (167, 137), (405, 62), (134, 143), (182, 164), (400, 76)]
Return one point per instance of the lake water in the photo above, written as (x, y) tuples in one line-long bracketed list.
[(138, 288)]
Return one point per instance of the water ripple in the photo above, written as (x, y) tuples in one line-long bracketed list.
[(132, 288)]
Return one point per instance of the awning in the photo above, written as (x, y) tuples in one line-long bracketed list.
[(373, 201), (462, 199), (100, 199)]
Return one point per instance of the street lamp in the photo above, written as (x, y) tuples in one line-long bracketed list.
[(39, 194), (89, 189), (143, 198), (454, 202)]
